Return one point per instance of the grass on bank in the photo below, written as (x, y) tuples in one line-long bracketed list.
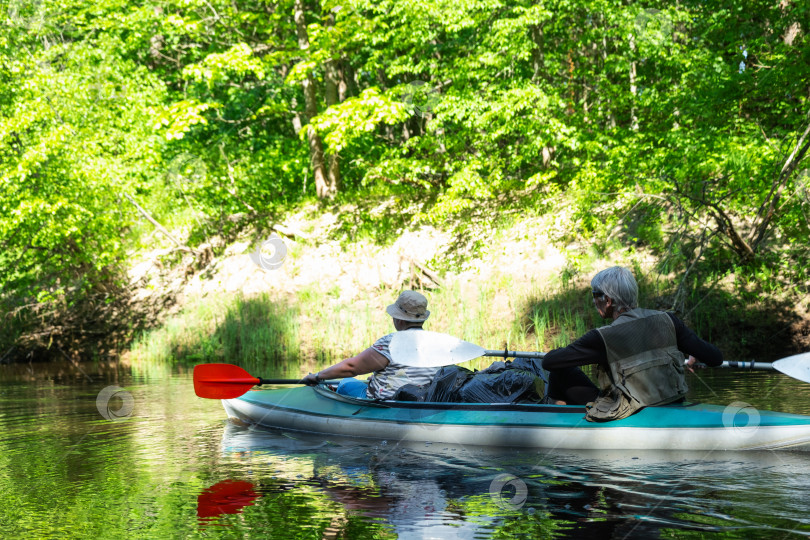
[(312, 329), (290, 334)]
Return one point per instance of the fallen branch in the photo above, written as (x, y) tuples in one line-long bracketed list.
[(75, 364), (433, 276), (158, 226), (7, 354)]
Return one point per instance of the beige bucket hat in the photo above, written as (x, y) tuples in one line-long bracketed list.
[(410, 306)]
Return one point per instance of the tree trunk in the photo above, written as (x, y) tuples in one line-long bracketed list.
[(332, 81), (633, 87), (570, 84), (536, 33), (348, 85), (323, 189), (608, 104), (771, 204)]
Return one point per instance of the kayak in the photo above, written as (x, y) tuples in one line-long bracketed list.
[(687, 426)]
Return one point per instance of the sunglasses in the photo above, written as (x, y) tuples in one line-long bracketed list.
[(597, 294)]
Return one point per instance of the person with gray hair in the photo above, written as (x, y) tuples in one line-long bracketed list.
[(639, 356), (409, 312), (618, 283)]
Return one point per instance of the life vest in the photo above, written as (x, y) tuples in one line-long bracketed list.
[(645, 366)]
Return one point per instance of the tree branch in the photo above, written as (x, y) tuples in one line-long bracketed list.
[(724, 222), (157, 225), (775, 194)]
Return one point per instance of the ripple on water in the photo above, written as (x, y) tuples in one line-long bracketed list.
[(68, 471)]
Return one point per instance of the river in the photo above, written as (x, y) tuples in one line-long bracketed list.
[(107, 451)]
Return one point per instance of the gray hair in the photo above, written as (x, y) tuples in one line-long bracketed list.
[(619, 284)]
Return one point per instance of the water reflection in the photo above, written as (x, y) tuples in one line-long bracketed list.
[(171, 467), (225, 497), (442, 491), (400, 490), (767, 390)]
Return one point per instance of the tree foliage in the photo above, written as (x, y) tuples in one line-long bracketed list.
[(684, 125)]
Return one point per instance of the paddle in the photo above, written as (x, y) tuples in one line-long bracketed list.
[(428, 349), (424, 348), (737, 364), (226, 381), (796, 366), (431, 349)]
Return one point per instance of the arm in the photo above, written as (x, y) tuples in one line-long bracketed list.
[(365, 362), (697, 349), (589, 349)]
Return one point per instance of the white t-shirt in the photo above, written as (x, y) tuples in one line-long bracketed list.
[(383, 384)]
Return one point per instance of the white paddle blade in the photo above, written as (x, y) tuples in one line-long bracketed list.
[(797, 366), (422, 348)]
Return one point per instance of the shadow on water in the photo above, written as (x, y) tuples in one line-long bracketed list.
[(764, 390)]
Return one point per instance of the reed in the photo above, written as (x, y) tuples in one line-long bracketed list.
[(317, 327)]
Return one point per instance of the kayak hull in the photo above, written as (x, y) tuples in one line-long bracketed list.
[(672, 427)]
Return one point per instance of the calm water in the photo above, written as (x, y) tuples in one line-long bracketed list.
[(171, 467)]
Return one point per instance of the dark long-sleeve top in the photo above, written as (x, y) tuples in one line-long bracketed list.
[(590, 349)]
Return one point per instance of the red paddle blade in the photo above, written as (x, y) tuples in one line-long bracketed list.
[(222, 381)]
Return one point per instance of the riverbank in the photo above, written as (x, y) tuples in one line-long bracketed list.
[(325, 299)]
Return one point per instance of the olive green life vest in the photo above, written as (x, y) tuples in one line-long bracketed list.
[(645, 365)]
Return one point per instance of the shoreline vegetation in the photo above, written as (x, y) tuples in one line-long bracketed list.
[(504, 283), (518, 292)]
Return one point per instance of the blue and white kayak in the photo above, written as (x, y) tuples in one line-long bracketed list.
[(673, 427)]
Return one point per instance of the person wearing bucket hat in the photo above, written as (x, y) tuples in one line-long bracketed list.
[(409, 312), (410, 307)]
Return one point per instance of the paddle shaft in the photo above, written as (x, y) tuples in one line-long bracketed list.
[(227, 381), (278, 381), (735, 364), (741, 364), (290, 381), (433, 349), (513, 354)]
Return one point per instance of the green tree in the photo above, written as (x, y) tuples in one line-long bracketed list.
[(74, 135)]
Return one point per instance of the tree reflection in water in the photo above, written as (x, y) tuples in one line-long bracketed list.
[(352, 487)]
